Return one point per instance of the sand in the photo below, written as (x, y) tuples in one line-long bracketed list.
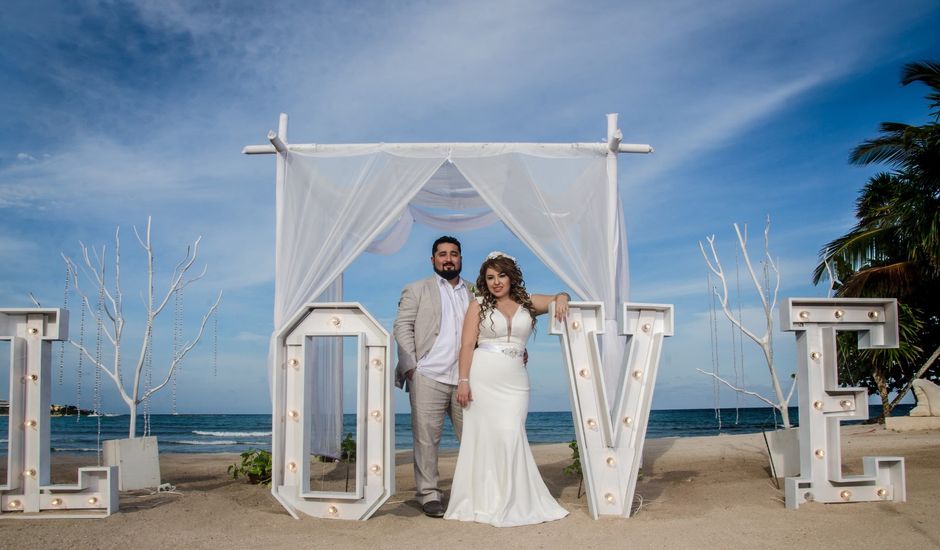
[(707, 492)]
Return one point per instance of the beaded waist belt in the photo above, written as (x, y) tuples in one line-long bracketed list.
[(510, 350)]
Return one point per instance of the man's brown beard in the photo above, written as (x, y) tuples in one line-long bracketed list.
[(449, 274)]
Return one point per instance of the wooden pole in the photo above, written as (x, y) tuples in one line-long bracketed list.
[(444, 148)]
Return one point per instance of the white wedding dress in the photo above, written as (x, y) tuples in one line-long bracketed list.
[(496, 480)]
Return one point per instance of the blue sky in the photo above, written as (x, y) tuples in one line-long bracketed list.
[(113, 111)]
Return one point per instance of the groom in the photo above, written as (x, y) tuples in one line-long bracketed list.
[(427, 329)]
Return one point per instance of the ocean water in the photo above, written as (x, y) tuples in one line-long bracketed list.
[(224, 433)]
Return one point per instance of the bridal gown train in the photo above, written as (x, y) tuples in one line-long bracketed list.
[(496, 480)]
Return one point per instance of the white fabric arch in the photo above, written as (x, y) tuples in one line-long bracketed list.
[(336, 203)]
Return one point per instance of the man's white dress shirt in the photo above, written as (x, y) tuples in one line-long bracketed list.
[(440, 363)]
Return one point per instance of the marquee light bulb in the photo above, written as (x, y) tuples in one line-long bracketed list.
[(846, 404), (611, 462), (336, 321), (818, 405), (638, 374), (33, 330), (93, 501), (845, 495), (292, 466), (575, 325), (804, 315), (647, 327), (376, 468), (873, 315), (591, 423), (627, 421), (332, 510), (294, 363), (294, 415), (839, 314), (30, 472), (30, 423), (815, 355), (609, 497), (882, 493), (376, 414), (584, 373), (14, 504), (820, 453), (56, 502)]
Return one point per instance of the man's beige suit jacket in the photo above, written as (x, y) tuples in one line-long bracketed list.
[(418, 323)]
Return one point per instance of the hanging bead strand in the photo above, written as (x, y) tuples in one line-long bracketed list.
[(96, 397), (81, 363), (148, 376), (65, 307), (177, 337), (215, 344)]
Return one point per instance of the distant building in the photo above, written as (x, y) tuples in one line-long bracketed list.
[(54, 410)]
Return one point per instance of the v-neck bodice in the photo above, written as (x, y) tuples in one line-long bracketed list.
[(495, 327)]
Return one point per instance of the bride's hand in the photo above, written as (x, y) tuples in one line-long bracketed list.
[(561, 306), (464, 396)]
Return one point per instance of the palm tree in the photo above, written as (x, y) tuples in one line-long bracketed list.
[(894, 248)]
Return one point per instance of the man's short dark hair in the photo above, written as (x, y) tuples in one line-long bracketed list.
[(445, 239)]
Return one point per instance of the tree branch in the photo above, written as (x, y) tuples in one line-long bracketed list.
[(104, 369), (94, 268), (723, 297), (792, 387), (86, 303), (766, 341), (184, 351), (740, 390), (920, 372)]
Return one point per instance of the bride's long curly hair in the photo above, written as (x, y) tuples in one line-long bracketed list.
[(517, 291)]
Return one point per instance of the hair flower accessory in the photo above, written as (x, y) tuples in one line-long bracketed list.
[(498, 254)]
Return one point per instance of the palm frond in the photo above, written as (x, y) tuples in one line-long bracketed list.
[(926, 72), (894, 280)]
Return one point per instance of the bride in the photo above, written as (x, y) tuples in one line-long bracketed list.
[(496, 480)]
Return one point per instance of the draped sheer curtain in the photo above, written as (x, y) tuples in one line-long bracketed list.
[(330, 209), (559, 207), (332, 206)]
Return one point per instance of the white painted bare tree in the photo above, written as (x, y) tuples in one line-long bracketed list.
[(768, 298), (108, 313)]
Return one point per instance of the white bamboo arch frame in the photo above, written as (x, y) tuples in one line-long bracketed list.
[(643, 353)]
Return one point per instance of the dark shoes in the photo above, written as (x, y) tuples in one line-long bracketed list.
[(433, 509)]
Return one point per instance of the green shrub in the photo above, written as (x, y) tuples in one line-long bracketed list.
[(256, 466), (574, 469)]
